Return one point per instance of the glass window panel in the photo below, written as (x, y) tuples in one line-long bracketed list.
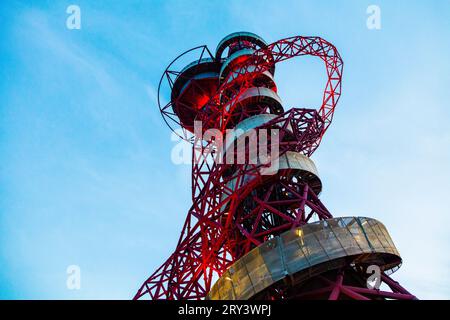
[(347, 241), (214, 293), (386, 235), (294, 257), (313, 250), (348, 220), (241, 280), (362, 241), (313, 227), (373, 238), (226, 288), (331, 245), (353, 226), (381, 235), (335, 223), (291, 235), (257, 270), (273, 260)]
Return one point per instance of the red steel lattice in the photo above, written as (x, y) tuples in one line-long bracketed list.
[(224, 223)]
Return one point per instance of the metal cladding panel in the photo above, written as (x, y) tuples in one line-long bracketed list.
[(290, 160), (230, 59), (243, 288), (237, 73), (247, 125), (322, 244), (201, 66), (201, 76), (258, 270), (307, 170), (260, 92), (238, 36), (273, 255), (197, 64), (296, 160), (294, 251), (255, 95), (227, 291)]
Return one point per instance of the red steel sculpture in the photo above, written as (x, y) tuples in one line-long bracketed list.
[(255, 234)]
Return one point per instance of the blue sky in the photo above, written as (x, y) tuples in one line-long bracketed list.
[(85, 171)]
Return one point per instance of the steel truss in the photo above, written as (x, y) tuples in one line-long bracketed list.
[(235, 210)]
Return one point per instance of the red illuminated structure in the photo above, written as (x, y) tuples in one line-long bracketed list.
[(250, 235)]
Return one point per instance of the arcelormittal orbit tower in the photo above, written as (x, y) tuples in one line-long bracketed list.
[(256, 228)]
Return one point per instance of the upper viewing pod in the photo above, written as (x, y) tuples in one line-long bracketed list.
[(237, 41)]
